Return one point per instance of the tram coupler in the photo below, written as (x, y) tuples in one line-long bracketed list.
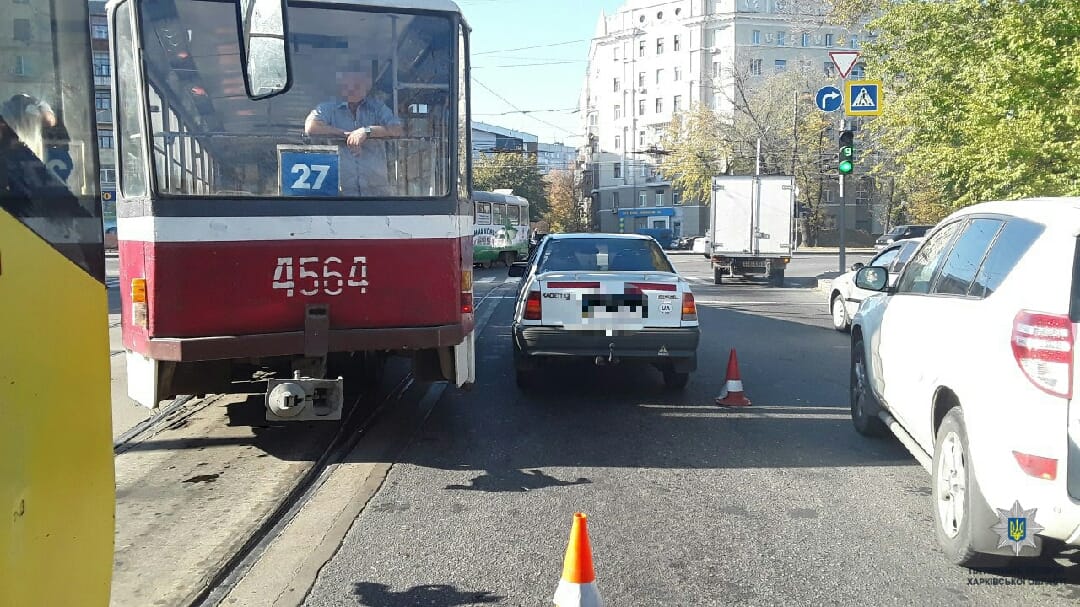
[(304, 399)]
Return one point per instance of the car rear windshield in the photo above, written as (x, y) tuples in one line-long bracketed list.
[(603, 255)]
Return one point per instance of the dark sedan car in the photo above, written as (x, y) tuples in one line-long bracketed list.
[(899, 233)]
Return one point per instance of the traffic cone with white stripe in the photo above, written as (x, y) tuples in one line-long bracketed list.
[(577, 588), (732, 394)]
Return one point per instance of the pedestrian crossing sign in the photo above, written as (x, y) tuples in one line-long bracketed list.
[(863, 98)]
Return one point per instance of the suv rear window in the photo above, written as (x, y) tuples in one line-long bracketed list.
[(603, 255), (1011, 244)]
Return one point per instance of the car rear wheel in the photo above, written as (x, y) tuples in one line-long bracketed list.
[(524, 372), (863, 412), (840, 320), (718, 276), (955, 492)]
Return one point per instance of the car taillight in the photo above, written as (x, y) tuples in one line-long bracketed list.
[(1043, 347), (689, 308), (533, 310), (1039, 467), (466, 303)]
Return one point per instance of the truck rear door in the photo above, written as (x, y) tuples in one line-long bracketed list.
[(732, 215), (774, 217)]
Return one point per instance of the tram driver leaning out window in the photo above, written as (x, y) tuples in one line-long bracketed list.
[(360, 122)]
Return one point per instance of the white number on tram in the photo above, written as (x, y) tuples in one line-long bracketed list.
[(305, 172), (330, 281)]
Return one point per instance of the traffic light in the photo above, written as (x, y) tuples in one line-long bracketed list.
[(847, 152)]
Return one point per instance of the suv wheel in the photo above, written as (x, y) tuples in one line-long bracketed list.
[(863, 414), (955, 492)]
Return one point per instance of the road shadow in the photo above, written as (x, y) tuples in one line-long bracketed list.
[(517, 481), (581, 415), (429, 595)]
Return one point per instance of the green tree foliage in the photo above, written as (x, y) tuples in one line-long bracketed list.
[(982, 99), (513, 171), (564, 211), (695, 150)]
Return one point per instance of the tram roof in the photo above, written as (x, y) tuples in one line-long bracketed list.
[(427, 5)]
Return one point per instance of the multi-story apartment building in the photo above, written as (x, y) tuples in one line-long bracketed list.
[(654, 58)]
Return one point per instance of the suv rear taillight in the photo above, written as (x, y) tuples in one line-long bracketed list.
[(689, 308), (1043, 347), (533, 309)]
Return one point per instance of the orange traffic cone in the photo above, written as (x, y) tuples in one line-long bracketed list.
[(732, 394), (577, 588)]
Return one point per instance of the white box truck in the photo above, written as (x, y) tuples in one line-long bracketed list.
[(751, 231)]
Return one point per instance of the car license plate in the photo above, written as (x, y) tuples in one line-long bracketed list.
[(615, 306)]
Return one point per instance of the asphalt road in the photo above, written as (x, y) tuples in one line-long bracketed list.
[(688, 504)]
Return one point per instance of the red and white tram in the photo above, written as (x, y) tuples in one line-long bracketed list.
[(294, 186)]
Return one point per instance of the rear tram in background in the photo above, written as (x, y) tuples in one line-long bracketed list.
[(501, 228), (245, 237)]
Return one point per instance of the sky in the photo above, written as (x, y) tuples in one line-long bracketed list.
[(543, 82)]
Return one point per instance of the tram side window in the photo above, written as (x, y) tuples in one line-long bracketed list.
[(483, 213), (514, 213), (130, 143), (352, 69), (500, 214)]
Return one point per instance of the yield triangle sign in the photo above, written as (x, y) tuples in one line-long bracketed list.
[(844, 61)]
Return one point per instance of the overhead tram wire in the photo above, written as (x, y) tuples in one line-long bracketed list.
[(507, 102)]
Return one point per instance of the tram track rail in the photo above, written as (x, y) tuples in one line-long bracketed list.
[(353, 428)]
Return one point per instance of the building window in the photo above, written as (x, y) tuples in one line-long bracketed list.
[(99, 31), (618, 112), (676, 44), (659, 46), (641, 80), (659, 76), (659, 105), (107, 176), (615, 199), (22, 66), (828, 40), (101, 64), (676, 200), (716, 69), (676, 105), (755, 37), (857, 72), (618, 173), (755, 67), (677, 74), (641, 139), (659, 199), (615, 52), (22, 30), (641, 107), (105, 140), (780, 65), (805, 39), (643, 199), (854, 41), (641, 48), (618, 142), (102, 100), (781, 38), (830, 69), (617, 88)]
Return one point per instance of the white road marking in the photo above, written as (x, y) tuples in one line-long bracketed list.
[(486, 279)]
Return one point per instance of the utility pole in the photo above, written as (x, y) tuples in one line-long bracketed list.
[(842, 219)]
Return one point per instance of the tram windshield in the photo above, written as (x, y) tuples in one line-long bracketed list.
[(371, 111)]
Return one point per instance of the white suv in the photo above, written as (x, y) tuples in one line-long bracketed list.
[(970, 361)]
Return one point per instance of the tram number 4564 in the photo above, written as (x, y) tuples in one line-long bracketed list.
[(330, 276)]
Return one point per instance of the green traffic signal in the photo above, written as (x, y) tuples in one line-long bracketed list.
[(847, 153)]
